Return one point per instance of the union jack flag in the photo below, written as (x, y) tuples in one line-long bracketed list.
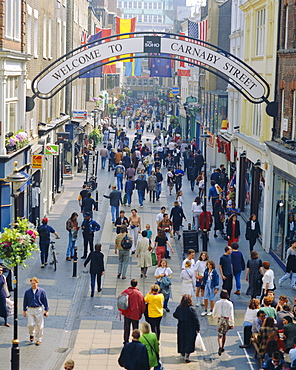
[(85, 38)]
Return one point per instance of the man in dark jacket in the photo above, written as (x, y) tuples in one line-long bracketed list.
[(136, 308), (44, 231), (141, 186), (88, 205), (134, 355), (129, 188), (159, 177), (199, 162), (88, 236), (192, 175), (115, 200), (97, 269)]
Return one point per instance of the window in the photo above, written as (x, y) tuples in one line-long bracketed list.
[(149, 5), (119, 4), (145, 5), (260, 32), (130, 5), (139, 18), (11, 104), (151, 81), (35, 42), (44, 42), (13, 19), (154, 18), (286, 29), (294, 116), (64, 38), (140, 82), (139, 5), (159, 5), (145, 19), (29, 34), (150, 18), (76, 13), (256, 120), (154, 5), (160, 19), (59, 39)]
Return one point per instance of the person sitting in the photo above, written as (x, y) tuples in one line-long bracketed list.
[(289, 332), (269, 311), (266, 329), (285, 311), (271, 347), (258, 321), (273, 363)]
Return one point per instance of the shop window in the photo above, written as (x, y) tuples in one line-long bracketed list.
[(260, 32), (284, 211)]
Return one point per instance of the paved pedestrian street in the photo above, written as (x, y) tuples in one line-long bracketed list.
[(90, 330)]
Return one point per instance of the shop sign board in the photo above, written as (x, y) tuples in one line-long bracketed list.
[(52, 149), (37, 161)]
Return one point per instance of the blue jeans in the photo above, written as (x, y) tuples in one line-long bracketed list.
[(93, 280), (237, 276), (44, 247), (119, 177), (149, 169), (123, 262), (141, 194), (114, 213), (158, 190), (103, 162), (71, 243), (129, 194), (292, 276), (166, 301)]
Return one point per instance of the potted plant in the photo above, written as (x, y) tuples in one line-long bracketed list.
[(18, 242)]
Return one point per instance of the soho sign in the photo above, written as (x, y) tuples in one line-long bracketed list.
[(238, 74)]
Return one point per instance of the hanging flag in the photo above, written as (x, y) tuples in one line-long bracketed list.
[(107, 68), (193, 29), (183, 70), (203, 31), (125, 26), (160, 67), (96, 72), (134, 68)]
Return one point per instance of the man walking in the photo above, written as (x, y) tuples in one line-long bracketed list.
[(119, 172), (104, 156), (82, 194), (34, 301), (88, 236), (167, 226), (141, 186), (223, 311), (88, 205), (134, 355), (129, 188), (121, 245), (159, 177), (115, 200), (225, 268), (44, 231), (136, 308)]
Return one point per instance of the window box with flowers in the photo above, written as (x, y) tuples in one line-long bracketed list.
[(18, 243), (15, 141)]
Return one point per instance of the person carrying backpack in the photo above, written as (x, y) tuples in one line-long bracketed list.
[(123, 244), (133, 299), (44, 231)]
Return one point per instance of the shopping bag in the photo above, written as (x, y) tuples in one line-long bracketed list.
[(10, 307), (199, 344), (153, 259)]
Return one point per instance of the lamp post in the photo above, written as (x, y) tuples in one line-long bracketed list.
[(15, 178), (204, 137)]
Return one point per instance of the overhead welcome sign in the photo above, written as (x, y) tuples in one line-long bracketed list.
[(206, 56)]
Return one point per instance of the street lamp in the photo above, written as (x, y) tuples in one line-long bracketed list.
[(204, 137), (15, 178)]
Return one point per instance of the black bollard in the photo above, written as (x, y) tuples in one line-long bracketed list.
[(97, 200), (75, 263)]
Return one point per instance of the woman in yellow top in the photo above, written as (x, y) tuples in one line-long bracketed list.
[(154, 299)]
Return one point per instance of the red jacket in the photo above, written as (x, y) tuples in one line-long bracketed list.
[(136, 304), (209, 220)]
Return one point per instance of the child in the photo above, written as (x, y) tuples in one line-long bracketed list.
[(149, 232)]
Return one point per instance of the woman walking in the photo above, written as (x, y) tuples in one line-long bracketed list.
[(188, 279), (135, 228), (72, 228), (155, 308), (179, 198), (4, 293), (219, 218), (161, 272), (252, 231), (268, 279), (97, 269), (161, 243), (171, 180), (152, 185), (196, 209), (177, 216), (151, 343), (211, 283), (233, 230), (143, 254), (188, 326), (254, 274), (200, 267)]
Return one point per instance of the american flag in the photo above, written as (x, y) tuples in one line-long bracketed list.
[(192, 29)]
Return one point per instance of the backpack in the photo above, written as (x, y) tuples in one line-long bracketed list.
[(126, 243), (122, 301), (43, 232), (94, 226)]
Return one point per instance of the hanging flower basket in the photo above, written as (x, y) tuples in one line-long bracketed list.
[(95, 136), (18, 242)]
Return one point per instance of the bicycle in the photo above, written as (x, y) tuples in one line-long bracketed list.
[(53, 255)]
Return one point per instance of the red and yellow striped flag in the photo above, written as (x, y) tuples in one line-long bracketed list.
[(125, 26)]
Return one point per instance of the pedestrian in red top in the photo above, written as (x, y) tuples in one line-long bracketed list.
[(233, 230), (136, 308), (209, 220)]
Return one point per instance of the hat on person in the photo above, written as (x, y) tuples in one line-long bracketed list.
[(45, 219)]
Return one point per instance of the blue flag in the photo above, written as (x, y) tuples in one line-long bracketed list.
[(160, 67), (97, 72), (134, 68)]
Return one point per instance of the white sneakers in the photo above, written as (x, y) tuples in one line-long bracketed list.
[(206, 313)]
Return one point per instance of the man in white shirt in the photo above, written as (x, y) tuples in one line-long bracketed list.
[(223, 311), (190, 257), (159, 217)]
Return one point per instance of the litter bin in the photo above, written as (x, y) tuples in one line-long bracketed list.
[(190, 240)]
